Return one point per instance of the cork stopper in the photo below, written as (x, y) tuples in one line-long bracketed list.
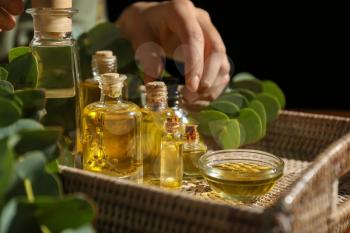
[(191, 133), (111, 84), (156, 93), (172, 124), (103, 62), (51, 3)]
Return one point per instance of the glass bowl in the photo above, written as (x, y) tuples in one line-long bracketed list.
[(241, 175)]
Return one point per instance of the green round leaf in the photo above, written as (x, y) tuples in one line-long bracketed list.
[(33, 101), (17, 52), (3, 73), (252, 124), (207, 116), (230, 109), (6, 85), (247, 94), (226, 133), (242, 134), (260, 109), (23, 71), (243, 76), (235, 98), (271, 104), (253, 85), (273, 89), (9, 112)]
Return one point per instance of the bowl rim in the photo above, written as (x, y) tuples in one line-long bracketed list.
[(275, 171)]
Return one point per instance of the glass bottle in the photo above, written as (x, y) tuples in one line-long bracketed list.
[(58, 66), (111, 132), (193, 149), (102, 62), (171, 161), (174, 99), (154, 115)]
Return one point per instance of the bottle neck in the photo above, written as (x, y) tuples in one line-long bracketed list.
[(156, 107), (106, 98)]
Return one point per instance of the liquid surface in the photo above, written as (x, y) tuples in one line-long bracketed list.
[(234, 186), (111, 139)]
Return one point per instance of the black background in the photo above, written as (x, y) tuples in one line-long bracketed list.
[(300, 46)]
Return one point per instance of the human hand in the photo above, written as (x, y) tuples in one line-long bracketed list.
[(8, 9), (179, 30)]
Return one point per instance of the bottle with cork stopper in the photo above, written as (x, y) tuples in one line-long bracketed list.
[(102, 62), (111, 133), (55, 51), (193, 149), (171, 161), (154, 115)]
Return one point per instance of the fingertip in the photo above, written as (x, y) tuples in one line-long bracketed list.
[(193, 83)]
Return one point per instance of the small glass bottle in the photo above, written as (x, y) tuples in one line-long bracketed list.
[(193, 149), (171, 162), (111, 132), (102, 62), (58, 65), (154, 115), (174, 99)]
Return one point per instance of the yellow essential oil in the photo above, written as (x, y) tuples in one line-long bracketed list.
[(193, 149), (171, 162), (154, 115), (242, 181), (112, 133)]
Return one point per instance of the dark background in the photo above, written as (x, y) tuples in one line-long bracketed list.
[(300, 46)]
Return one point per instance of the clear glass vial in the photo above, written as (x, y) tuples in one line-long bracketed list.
[(171, 162), (111, 132)]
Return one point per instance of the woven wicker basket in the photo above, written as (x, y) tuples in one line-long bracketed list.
[(313, 195)]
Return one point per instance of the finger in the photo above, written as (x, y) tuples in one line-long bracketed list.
[(7, 21), (183, 23), (14, 7), (217, 88), (188, 95), (212, 67)]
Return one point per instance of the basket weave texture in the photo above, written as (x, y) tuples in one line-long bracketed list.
[(313, 195)]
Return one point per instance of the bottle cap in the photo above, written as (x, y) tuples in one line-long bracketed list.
[(51, 3), (172, 124), (104, 62), (191, 132), (111, 84), (156, 93)]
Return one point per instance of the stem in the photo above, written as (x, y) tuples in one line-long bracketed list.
[(29, 190)]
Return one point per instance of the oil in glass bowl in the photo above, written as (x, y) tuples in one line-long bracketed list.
[(241, 175)]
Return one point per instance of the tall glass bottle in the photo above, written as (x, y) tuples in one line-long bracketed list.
[(193, 149), (102, 62), (171, 161), (154, 115), (55, 51), (111, 132)]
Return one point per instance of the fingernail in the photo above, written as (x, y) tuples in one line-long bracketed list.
[(193, 83)]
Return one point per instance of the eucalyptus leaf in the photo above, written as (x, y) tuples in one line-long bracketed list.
[(101, 37), (27, 75), (260, 109), (253, 85), (235, 98), (9, 112), (271, 105), (59, 214), (33, 101), (226, 133), (6, 165), (247, 94), (18, 216), (243, 76), (3, 73), (252, 124), (273, 89), (230, 109), (17, 52), (6, 85), (20, 125), (83, 229), (242, 134), (38, 140), (207, 116)]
